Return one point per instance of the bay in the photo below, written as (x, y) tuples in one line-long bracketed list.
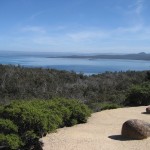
[(85, 66)]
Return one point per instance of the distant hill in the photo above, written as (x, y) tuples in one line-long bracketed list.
[(139, 56)]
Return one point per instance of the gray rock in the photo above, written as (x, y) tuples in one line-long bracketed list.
[(148, 110), (136, 129)]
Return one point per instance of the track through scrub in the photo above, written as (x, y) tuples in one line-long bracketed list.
[(101, 132)]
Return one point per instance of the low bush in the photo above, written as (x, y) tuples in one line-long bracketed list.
[(35, 118), (96, 107), (7, 126), (138, 95), (10, 141), (105, 106)]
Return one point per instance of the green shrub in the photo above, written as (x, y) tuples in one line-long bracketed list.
[(36, 118), (105, 106), (10, 141), (138, 95), (26, 117), (96, 107), (76, 111), (30, 139), (7, 126), (1, 109)]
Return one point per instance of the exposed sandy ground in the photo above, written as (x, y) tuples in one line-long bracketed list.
[(102, 132)]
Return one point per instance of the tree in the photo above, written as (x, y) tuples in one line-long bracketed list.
[(138, 95)]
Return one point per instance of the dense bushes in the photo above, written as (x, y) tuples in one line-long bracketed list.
[(35, 118), (10, 141), (8, 134), (27, 83), (138, 95), (96, 107), (7, 126), (24, 121)]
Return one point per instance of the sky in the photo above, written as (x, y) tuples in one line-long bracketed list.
[(83, 26)]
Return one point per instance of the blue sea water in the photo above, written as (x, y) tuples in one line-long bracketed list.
[(85, 66)]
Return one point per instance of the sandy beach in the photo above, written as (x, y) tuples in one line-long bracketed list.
[(101, 132)]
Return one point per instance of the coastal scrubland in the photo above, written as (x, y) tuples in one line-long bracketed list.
[(24, 122), (117, 88), (36, 101)]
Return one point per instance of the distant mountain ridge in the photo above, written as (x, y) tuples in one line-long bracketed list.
[(139, 56)]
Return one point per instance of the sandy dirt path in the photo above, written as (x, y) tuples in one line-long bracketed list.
[(102, 132)]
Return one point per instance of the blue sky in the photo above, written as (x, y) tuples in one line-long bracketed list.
[(101, 26)]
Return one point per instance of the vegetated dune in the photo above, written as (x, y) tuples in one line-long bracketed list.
[(102, 132)]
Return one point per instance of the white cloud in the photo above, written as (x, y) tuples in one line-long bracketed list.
[(36, 14), (133, 33), (137, 7), (34, 29), (131, 29), (44, 40), (87, 35)]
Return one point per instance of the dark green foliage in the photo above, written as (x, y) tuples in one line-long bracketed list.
[(10, 141), (148, 76), (138, 95), (7, 126), (24, 121), (103, 106), (29, 83), (73, 110), (1, 109), (35, 118)]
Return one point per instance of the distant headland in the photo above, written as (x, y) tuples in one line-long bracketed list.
[(138, 56)]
